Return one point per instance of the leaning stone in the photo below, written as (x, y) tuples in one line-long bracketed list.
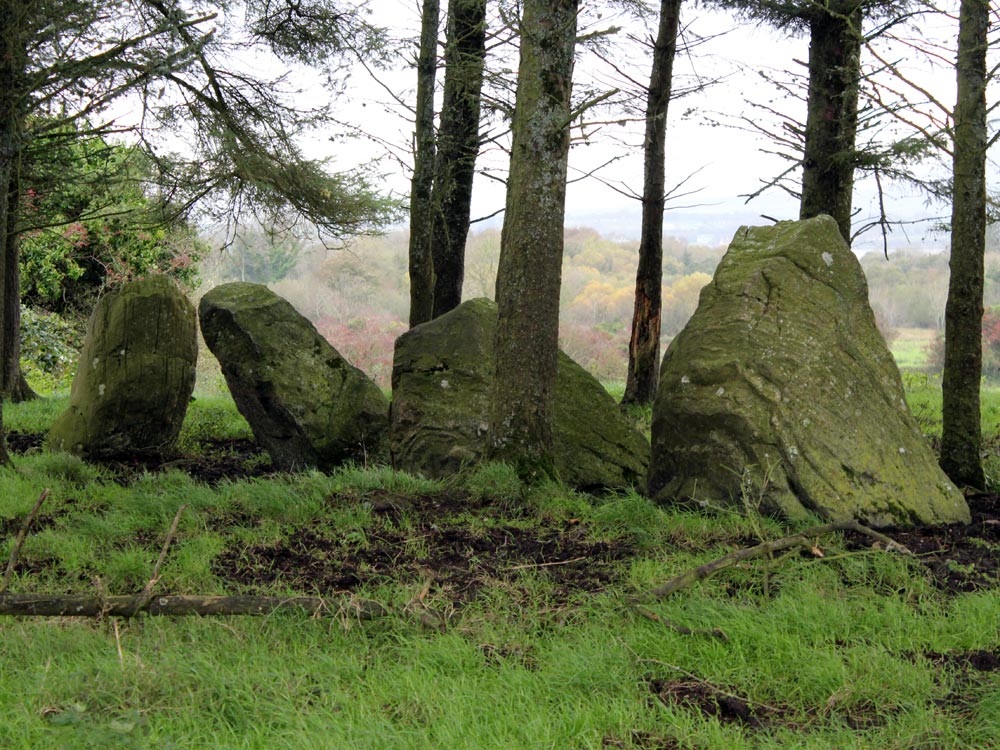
[(307, 406), (135, 375), (441, 376), (780, 393)]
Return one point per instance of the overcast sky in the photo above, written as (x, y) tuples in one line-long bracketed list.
[(725, 163)]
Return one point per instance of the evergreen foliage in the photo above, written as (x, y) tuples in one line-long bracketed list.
[(87, 222)]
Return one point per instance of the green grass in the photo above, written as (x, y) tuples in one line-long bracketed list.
[(923, 394), (212, 417), (833, 652), (909, 348)]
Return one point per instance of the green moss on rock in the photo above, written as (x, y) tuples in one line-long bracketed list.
[(780, 392), (441, 376), (305, 403), (135, 375)]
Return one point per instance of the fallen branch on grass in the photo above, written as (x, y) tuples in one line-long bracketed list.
[(56, 605), (803, 539), (146, 595), (102, 605), (15, 551)]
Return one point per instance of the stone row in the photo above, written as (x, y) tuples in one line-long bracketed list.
[(779, 395)]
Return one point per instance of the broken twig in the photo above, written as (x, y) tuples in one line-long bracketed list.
[(15, 552), (803, 539), (143, 597)]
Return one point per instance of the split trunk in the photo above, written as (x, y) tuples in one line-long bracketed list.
[(644, 346)]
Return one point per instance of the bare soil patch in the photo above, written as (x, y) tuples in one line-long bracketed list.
[(429, 538), (960, 558)]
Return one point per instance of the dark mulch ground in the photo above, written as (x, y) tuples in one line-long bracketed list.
[(425, 538), (235, 458), (960, 558), (22, 442), (231, 459)]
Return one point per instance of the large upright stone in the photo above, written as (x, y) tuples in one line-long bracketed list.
[(135, 375), (441, 376), (781, 393), (305, 403)]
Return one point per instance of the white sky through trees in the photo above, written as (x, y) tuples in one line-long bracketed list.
[(724, 162), (710, 133)]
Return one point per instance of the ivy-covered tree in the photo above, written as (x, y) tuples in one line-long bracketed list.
[(960, 136), (457, 148), (422, 182), (444, 156)]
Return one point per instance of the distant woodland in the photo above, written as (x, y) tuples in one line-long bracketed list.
[(358, 297)]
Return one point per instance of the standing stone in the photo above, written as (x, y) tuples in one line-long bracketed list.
[(781, 394), (306, 404), (441, 378), (135, 375)]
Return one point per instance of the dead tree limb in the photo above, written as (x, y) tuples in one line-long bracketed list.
[(15, 551), (56, 605), (144, 596), (803, 539)]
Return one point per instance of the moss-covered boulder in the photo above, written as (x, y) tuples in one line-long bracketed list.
[(441, 378), (305, 403), (135, 375), (781, 393)]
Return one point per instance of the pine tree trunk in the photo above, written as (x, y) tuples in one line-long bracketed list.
[(6, 149), (832, 115), (961, 438), (11, 71), (457, 148), (644, 345), (531, 244), (421, 210), (15, 387)]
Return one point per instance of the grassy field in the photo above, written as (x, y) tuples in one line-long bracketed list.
[(909, 347), (507, 621)]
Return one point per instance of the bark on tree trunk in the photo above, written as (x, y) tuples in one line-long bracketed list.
[(644, 345), (8, 150), (15, 387), (421, 211), (832, 117), (531, 245), (961, 438), (457, 148), (11, 71)]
